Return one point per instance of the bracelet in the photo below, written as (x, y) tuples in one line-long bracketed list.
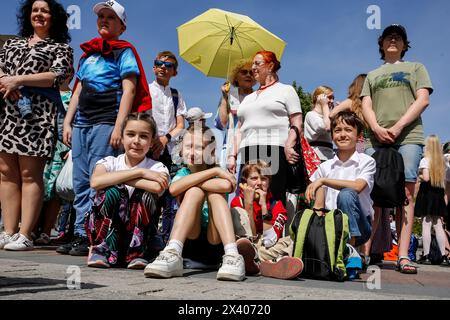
[(3, 75)]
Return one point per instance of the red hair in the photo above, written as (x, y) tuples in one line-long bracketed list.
[(269, 57)]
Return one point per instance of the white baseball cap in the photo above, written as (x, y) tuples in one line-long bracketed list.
[(113, 5), (196, 113)]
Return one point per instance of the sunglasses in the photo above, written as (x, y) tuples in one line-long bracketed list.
[(167, 64), (246, 72)]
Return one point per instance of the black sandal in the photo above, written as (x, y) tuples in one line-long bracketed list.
[(407, 268)]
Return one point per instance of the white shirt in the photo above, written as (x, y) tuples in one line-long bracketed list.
[(315, 131), (163, 110), (359, 166), (264, 117), (113, 164)]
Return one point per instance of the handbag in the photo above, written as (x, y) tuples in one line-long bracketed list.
[(64, 182), (297, 176)]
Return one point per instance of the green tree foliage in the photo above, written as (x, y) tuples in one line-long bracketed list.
[(305, 99)]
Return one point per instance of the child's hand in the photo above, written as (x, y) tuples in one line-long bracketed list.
[(312, 189), (227, 176), (261, 195), (161, 178), (67, 134), (116, 138), (249, 192)]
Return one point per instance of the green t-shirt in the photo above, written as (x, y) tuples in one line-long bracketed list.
[(183, 172), (392, 88)]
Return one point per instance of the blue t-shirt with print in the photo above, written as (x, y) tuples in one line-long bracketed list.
[(102, 73), (183, 172)]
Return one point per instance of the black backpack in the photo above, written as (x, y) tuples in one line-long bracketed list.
[(319, 240), (389, 181)]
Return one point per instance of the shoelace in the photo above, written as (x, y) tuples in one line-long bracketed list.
[(165, 256), (231, 260)]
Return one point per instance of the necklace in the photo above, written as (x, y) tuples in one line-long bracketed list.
[(262, 88)]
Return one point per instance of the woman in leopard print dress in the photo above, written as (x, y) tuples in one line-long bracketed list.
[(31, 67)]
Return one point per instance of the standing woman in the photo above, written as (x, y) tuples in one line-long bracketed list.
[(317, 123), (265, 117), (31, 69), (242, 82)]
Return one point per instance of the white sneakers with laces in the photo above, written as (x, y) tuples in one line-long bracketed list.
[(232, 269), (167, 265), (19, 243)]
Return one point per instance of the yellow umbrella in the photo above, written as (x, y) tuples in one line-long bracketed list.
[(215, 38)]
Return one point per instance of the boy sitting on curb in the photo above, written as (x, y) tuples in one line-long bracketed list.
[(260, 218), (348, 178)]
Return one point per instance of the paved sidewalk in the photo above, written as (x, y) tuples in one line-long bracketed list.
[(44, 274)]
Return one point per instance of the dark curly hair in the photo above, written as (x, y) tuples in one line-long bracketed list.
[(58, 28)]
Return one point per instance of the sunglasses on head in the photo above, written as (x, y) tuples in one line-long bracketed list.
[(245, 72), (167, 64)]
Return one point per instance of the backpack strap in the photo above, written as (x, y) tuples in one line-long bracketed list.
[(330, 231), (342, 222), (302, 232), (175, 100)]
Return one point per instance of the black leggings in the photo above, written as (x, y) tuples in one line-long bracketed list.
[(275, 157)]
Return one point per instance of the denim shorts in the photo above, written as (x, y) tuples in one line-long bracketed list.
[(412, 154)]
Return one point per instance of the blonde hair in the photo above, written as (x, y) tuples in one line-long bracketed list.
[(433, 152), (238, 66), (320, 90), (354, 92)]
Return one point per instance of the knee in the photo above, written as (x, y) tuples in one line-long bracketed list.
[(194, 192), (30, 175), (346, 195)]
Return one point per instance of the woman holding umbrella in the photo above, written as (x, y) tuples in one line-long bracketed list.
[(265, 117)]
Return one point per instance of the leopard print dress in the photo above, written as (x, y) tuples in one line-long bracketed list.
[(35, 136)]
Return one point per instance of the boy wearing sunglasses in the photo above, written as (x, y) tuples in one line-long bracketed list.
[(169, 112)]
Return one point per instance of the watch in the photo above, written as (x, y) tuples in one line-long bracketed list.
[(169, 137)]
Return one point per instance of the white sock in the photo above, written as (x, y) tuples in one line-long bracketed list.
[(175, 245), (231, 249)]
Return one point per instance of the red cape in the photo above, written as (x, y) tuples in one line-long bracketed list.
[(142, 99)]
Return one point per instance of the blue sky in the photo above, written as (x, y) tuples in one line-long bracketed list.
[(328, 42)]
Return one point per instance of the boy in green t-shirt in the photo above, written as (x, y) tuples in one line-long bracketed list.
[(393, 98)]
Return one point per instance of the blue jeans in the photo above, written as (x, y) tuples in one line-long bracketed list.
[(411, 154), (89, 144), (359, 225)]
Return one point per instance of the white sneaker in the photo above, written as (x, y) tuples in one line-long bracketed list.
[(19, 243), (167, 265), (233, 268), (4, 239)]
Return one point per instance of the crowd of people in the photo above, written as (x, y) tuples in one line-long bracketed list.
[(152, 193)]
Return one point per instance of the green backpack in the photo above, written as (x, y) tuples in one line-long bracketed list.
[(319, 240)]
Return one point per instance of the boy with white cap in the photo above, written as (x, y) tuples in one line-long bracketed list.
[(110, 83)]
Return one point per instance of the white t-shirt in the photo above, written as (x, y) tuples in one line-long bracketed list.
[(264, 117), (359, 166), (315, 131), (163, 110), (113, 164), (425, 164)]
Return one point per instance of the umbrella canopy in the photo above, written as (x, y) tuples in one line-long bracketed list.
[(216, 38)]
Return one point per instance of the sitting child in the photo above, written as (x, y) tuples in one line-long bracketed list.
[(203, 220), (348, 178), (124, 219), (259, 221)]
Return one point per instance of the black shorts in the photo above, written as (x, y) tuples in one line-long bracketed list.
[(201, 250)]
